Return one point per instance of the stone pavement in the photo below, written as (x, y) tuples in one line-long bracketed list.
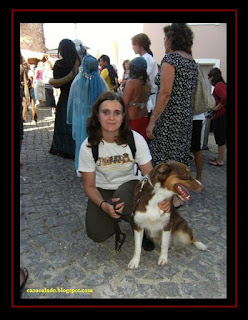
[(58, 254)]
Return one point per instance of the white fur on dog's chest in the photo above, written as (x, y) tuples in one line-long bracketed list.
[(154, 219)]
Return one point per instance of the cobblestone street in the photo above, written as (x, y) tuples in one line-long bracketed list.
[(58, 254)]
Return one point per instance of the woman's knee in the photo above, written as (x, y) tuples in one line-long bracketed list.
[(98, 237)]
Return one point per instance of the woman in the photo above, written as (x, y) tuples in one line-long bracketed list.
[(29, 97), (136, 95), (47, 75), (141, 45), (84, 91), (219, 121), (39, 86), (170, 125), (63, 72), (110, 177), (125, 76)]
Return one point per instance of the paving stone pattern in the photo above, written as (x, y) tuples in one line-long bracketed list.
[(58, 254)]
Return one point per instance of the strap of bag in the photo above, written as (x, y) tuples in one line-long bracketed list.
[(131, 144), (95, 152)]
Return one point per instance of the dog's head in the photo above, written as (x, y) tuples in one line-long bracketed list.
[(176, 177)]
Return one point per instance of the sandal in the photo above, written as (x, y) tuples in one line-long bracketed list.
[(23, 277), (215, 163)]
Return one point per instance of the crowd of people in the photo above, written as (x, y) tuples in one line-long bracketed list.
[(97, 115)]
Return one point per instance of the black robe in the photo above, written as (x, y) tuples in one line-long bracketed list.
[(63, 143)]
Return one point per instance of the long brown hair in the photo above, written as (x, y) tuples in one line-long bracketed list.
[(143, 41), (94, 128)]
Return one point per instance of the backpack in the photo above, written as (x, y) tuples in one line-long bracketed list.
[(130, 143)]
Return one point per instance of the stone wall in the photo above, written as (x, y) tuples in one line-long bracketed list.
[(32, 37)]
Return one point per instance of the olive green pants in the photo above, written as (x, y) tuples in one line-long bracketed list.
[(99, 225)]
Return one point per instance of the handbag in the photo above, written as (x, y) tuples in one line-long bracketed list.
[(202, 100)]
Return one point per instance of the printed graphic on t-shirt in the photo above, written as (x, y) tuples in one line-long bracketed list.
[(117, 162)]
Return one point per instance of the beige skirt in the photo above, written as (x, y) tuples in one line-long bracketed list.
[(39, 91)]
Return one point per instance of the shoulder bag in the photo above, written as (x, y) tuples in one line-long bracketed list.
[(202, 99)]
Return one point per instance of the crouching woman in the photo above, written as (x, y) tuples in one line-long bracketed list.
[(111, 174)]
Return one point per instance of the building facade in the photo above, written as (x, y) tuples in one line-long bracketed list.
[(209, 48)]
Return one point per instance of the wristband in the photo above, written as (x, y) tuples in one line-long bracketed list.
[(100, 206)]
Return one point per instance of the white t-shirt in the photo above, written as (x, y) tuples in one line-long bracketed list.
[(152, 70), (115, 164)]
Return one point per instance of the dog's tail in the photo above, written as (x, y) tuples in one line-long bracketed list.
[(199, 245)]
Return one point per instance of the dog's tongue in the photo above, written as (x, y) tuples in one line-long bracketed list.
[(182, 191)]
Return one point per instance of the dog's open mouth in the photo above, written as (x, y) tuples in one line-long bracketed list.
[(182, 192)]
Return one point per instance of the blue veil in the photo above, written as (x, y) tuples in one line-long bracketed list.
[(85, 89)]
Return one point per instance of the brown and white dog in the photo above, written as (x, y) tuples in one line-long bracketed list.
[(165, 180)]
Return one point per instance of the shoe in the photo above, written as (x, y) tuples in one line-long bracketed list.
[(191, 157), (215, 163), (147, 243)]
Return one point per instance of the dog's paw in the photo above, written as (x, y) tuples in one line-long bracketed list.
[(133, 264), (200, 245), (162, 260)]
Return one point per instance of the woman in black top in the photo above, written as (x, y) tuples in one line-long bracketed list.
[(64, 70)]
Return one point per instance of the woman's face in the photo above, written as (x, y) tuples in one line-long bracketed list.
[(126, 65), (102, 63), (110, 116), (210, 79), (136, 48)]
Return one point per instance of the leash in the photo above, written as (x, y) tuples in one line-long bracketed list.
[(120, 236), (137, 198)]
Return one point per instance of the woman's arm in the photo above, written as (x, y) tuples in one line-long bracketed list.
[(220, 92), (128, 92), (95, 196), (167, 76), (146, 168)]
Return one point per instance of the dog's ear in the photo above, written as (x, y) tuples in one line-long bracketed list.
[(159, 173), (165, 168)]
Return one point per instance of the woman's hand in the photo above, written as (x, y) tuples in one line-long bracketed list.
[(109, 208), (165, 205), (149, 130)]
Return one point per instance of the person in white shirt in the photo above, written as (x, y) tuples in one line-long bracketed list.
[(141, 45), (112, 175)]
